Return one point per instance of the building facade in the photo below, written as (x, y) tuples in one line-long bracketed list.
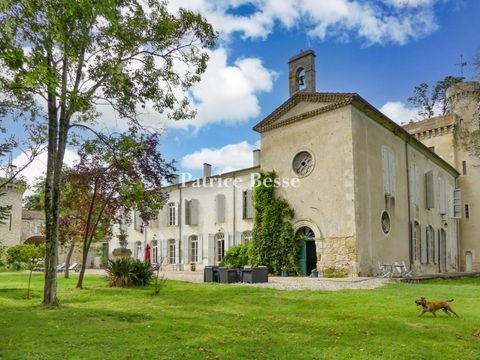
[(365, 192), (439, 134)]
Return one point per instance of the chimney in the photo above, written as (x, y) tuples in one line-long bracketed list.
[(256, 157), (207, 170)]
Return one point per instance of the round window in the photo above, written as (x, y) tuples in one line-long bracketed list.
[(302, 163), (385, 222)]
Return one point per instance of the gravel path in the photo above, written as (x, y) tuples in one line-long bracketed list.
[(283, 283)]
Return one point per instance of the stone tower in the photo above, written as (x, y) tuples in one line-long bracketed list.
[(301, 75)]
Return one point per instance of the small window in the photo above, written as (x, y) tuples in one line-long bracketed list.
[(467, 211), (171, 252), (220, 246), (247, 204), (464, 167), (172, 214), (154, 252), (385, 221), (138, 250), (194, 249)]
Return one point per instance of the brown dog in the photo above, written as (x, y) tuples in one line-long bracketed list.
[(433, 306)]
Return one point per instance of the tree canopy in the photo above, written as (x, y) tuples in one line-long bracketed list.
[(75, 56)]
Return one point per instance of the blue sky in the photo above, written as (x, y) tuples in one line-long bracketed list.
[(380, 49)]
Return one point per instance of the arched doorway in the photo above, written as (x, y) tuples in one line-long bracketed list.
[(307, 257)]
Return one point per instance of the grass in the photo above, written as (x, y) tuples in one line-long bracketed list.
[(211, 321)]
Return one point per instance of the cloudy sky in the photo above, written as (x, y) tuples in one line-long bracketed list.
[(379, 48)]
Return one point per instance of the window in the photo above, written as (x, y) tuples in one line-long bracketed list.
[(429, 190), (457, 201), (246, 236), (467, 211), (464, 167), (172, 214), (154, 252), (171, 252), (138, 250), (220, 246), (388, 160), (247, 204), (220, 208), (385, 222), (194, 249)]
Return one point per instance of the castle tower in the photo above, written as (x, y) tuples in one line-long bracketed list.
[(464, 101), (301, 75)]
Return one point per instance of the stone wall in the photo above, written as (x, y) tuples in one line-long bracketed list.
[(338, 252)]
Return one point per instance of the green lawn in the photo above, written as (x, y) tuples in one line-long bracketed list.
[(211, 321)]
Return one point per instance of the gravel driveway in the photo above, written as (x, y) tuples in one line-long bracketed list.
[(283, 283)]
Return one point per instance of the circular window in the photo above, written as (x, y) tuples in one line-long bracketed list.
[(385, 222), (302, 163)]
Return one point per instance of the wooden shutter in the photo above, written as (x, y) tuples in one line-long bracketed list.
[(423, 245), (211, 249), (177, 252), (386, 178), (220, 207), (226, 242), (443, 198), (429, 190), (194, 212), (249, 202), (177, 213), (163, 252), (436, 249), (413, 242), (237, 240), (450, 201), (200, 249), (457, 204), (188, 212)]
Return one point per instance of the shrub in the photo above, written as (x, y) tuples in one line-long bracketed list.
[(334, 272), (236, 256), (129, 272)]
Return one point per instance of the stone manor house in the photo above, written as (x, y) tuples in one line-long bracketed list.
[(367, 191)]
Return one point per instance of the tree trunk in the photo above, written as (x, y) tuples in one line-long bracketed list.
[(67, 260), (29, 281), (82, 270)]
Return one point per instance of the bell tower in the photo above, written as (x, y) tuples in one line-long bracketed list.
[(301, 75)]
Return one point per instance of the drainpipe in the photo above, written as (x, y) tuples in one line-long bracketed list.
[(457, 223), (180, 228), (234, 209)]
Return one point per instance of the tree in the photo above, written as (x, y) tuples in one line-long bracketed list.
[(274, 242), (113, 177), (76, 55), (28, 254), (426, 103)]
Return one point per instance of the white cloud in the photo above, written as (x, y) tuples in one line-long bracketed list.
[(39, 166), (399, 112), (375, 22), (228, 158)]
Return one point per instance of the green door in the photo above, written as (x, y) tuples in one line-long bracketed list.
[(307, 257)]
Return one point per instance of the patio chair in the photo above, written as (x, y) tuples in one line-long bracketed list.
[(75, 267), (61, 267), (407, 271), (401, 270), (384, 270)]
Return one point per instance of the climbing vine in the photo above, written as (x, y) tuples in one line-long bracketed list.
[(274, 242)]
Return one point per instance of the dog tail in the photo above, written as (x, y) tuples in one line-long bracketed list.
[(450, 300)]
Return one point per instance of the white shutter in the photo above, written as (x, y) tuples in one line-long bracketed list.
[(177, 252), (200, 249), (211, 250), (177, 213), (411, 183), (443, 199), (436, 248), (423, 245), (250, 210), (238, 238), (429, 190), (220, 207), (450, 201), (457, 203), (227, 242), (185, 250), (163, 252), (194, 212), (163, 216)]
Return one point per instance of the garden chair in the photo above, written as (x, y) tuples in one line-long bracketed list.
[(401, 270), (75, 267), (60, 267), (384, 270)]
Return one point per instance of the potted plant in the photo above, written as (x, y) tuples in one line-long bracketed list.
[(314, 273), (284, 271), (193, 266)]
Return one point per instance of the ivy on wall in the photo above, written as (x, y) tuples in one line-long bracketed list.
[(274, 243)]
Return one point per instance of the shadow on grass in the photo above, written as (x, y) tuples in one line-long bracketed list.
[(19, 294)]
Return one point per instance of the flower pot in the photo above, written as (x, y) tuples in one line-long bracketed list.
[(314, 274), (283, 273)]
